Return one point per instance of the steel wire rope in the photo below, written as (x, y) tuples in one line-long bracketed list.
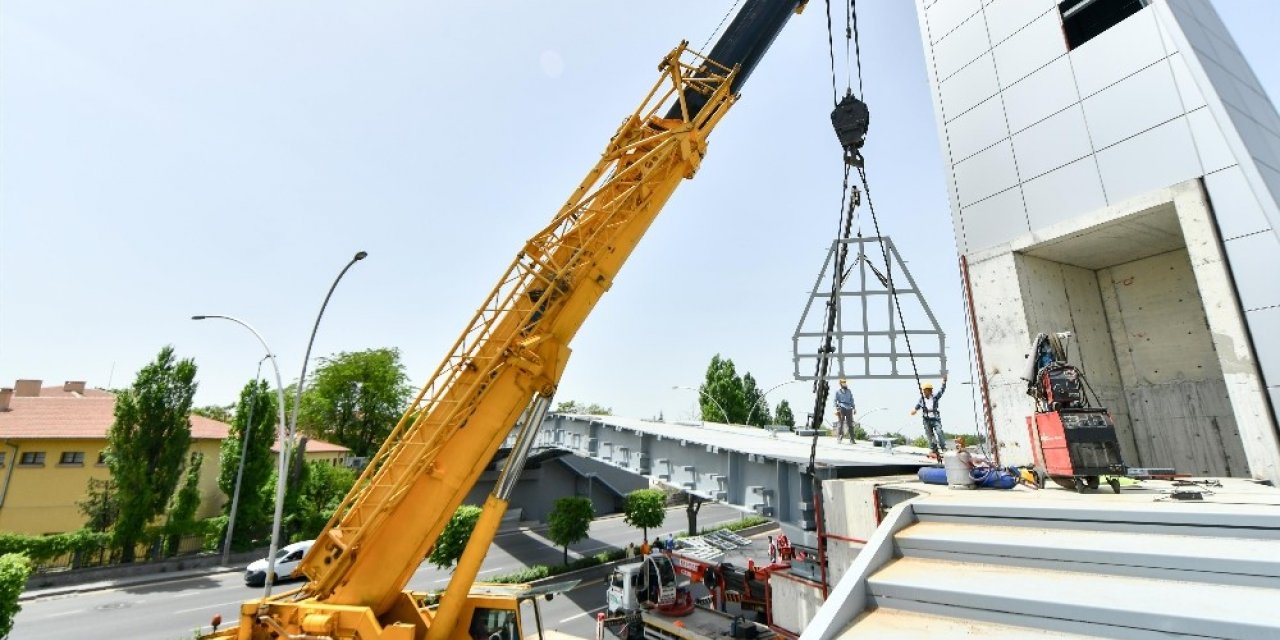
[(723, 19)]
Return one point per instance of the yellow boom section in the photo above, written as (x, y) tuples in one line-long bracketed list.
[(515, 346)]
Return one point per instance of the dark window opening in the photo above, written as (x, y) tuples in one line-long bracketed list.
[(32, 458), (1083, 20), (102, 457), (71, 457)]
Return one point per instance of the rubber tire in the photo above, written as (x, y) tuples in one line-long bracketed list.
[(1115, 484), (1066, 482), (1094, 482)]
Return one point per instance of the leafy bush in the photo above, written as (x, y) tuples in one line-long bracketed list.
[(39, 549), (14, 569)]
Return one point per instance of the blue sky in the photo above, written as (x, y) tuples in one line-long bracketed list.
[(159, 160)]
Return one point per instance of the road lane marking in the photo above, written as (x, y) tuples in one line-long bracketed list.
[(211, 606), (584, 613), (64, 613)]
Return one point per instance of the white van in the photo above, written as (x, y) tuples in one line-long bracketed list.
[(287, 561)]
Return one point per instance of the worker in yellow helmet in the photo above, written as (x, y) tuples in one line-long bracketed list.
[(928, 403)]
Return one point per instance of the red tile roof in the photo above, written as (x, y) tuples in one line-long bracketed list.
[(67, 416)]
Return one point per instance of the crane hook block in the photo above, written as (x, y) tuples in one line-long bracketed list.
[(850, 119)]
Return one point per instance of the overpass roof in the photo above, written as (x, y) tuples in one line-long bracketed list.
[(777, 445)]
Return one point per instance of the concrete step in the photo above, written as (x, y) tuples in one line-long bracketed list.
[(895, 624), (1122, 513), (1234, 561), (1066, 601)]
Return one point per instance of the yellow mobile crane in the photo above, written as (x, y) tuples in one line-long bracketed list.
[(503, 371)]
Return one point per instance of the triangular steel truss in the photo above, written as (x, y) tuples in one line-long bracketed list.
[(868, 340)]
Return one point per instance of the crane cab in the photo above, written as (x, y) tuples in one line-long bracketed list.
[(506, 611)]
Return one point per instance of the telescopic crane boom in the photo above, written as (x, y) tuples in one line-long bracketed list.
[(504, 369)]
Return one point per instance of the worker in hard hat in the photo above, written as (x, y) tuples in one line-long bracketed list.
[(844, 411), (928, 403)]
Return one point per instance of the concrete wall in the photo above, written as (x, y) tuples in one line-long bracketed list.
[(794, 602), (1182, 416), (1039, 140), (1059, 297)]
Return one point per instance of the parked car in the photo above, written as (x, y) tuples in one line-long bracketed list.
[(287, 561)]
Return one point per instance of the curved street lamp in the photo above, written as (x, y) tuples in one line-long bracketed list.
[(707, 396), (863, 417), (761, 398), (297, 399), (275, 528), (235, 496)]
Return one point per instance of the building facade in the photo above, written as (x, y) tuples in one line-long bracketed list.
[(52, 442), (1113, 169)]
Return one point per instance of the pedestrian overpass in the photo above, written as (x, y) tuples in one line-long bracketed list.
[(765, 471)]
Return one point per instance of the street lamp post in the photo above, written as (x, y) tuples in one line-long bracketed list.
[(297, 399), (235, 495), (766, 393), (864, 416), (275, 528), (707, 396)]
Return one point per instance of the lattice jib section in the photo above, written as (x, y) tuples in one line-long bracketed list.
[(587, 239)]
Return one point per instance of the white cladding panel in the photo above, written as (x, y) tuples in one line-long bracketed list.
[(993, 221), (1052, 143), (1029, 49), (1151, 160), (1118, 53), (946, 15), (1255, 263), (1234, 204), (1192, 97), (1133, 105), (1212, 146), (1047, 91), (986, 174), (968, 87), (977, 129), (1063, 193), (1264, 328), (1007, 17), (961, 47)]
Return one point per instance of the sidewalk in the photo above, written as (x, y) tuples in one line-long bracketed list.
[(123, 576)]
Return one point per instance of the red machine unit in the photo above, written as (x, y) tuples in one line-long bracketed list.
[(1074, 443), (1076, 447)]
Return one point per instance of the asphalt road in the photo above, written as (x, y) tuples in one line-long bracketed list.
[(176, 609)]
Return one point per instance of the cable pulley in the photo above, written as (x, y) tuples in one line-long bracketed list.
[(850, 118)]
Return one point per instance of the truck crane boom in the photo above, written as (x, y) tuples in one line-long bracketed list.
[(504, 368)]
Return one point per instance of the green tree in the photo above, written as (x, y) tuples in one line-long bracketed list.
[(758, 414), (920, 441), (257, 403), (453, 539), (182, 509), (322, 488), (646, 509), (858, 432), (355, 399), (216, 412), (570, 520), (100, 506), (783, 415), (722, 396), (593, 409), (148, 441), (14, 569)]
